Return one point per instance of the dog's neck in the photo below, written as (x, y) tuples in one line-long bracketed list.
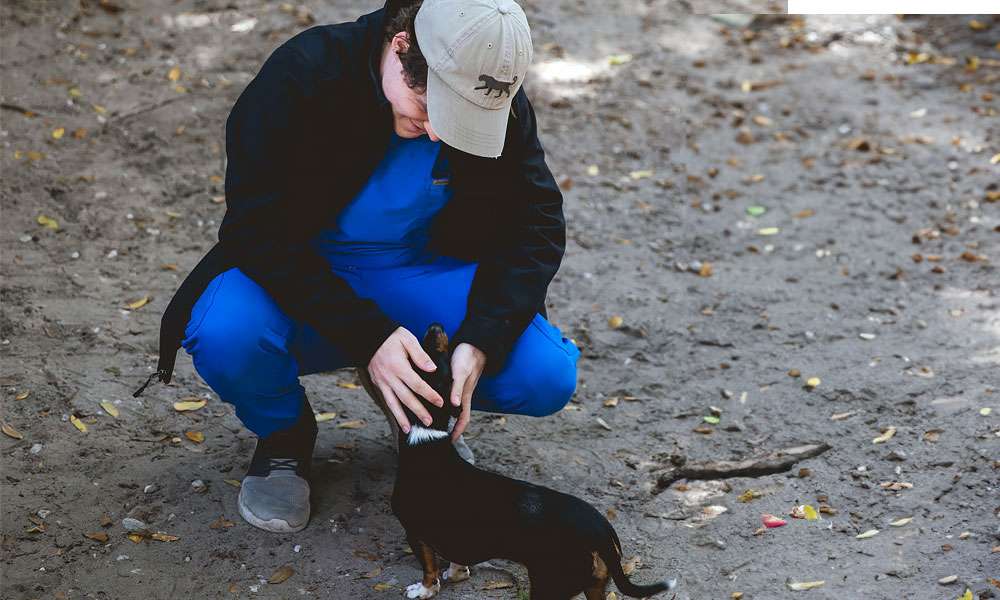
[(423, 448)]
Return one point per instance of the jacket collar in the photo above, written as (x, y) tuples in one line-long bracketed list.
[(375, 23)]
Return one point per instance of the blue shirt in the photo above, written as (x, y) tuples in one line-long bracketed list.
[(387, 222)]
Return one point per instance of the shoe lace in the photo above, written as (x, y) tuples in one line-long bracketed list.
[(288, 464)]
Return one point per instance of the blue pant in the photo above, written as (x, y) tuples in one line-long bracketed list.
[(252, 354)]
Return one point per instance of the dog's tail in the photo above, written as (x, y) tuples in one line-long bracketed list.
[(613, 560)]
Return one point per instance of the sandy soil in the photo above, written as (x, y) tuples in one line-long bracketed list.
[(880, 281)]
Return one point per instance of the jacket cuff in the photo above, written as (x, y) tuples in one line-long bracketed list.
[(489, 335)]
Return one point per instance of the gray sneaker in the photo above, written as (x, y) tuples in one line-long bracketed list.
[(274, 495), (278, 501)]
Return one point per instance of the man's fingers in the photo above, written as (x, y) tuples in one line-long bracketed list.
[(417, 354), (456, 390), (415, 405), (418, 385), (393, 405)]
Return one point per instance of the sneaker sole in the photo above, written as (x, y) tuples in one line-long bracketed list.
[(272, 525)]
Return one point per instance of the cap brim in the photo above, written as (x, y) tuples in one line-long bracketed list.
[(462, 124)]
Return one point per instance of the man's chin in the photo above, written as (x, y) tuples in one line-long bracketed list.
[(405, 132)]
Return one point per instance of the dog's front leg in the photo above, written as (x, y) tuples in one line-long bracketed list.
[(431, 584)]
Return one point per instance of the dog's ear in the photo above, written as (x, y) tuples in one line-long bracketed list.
[(435, 344)]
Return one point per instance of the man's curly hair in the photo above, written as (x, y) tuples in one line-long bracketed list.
[(400, 18)]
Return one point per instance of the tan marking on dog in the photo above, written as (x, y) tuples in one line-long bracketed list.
[(600, 569), (441, 342)]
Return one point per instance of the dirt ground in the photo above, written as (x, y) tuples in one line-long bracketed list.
[(749, 207)]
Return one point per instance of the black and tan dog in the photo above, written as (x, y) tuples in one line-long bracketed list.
[(468, 515)]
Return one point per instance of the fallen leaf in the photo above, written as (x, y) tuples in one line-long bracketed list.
[(867, 534), (896, 485), (78, 423), (134, 537), (381, 587), (886, 436), (10, 431), (281, 574), (195, 436), (768, 231), (985, 411), (705, 270), (136, 305), (901, 522), (803, 214), (812, 382), (110, 408), (372, 574), (46, 221), (615, 322), (22, 395), (711, 419), (967, 595), (174, 74), (703, 429), (355, 424), (619, 59), (348, 385), (771, 521), (97, 536), (843, 415), (603, 423), (325, 416), (756, 211), (186, 405), (611, 402), (804, 585), (58, 132), (748, 495), (163, 537), (640, 174), (221, 523), (233, 482), (933, 435), (804, 511)]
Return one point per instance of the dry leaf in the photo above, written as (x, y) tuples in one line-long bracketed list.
[(901, 522), (381, 587), (233, 482), (933, 435), (373, 573), (640, 174), (348, 385), (174, 74), (867, 534), (615, 322), (804, 585), (611, 402), (58, 133), (110, 408), (46, 221), (97, 536), (896, 485), (886, 436), (497, 585), (812, 382), (843, 415), (195, 436), (135, 537), (9, 430), (325, 416), (281, 574), (705, 270), (355, 424), (163, 537), (192, 404), (22, 395), (603, 423), (139, 303), (78, 423)]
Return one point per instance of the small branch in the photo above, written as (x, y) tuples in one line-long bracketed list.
[(779, 461)]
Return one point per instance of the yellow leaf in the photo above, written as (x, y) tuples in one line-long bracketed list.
[(593, 170), (22, 395), (812, 382), (174, 74), (281, 574), (901, 522), (641, 174), (233, 482), (99, 109), (78, 423), (619, 59), (195, 436), (995, 160), (886, 436), (348, 385), (47, 221), (9, 430), (180, 89), (35, 155), (809, 512), (768, 231), (135, 537), (110, 408), (615, 322), (355, 424), (163, 537), (75, 92), (805, 585), (977, 25), (705, 270), (58, 133), (136, 305), (967, 595), (325, 416), (189, 405), (867, 534)]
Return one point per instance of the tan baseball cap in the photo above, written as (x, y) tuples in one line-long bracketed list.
[(477, 54)]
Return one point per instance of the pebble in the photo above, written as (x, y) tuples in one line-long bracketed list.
[(896, 455), (149, 489), (131, 524), (297, 548), (42, 513), (198, 486), (948, 579), (35, 448)]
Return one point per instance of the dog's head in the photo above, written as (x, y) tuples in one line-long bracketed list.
[(435, 344)]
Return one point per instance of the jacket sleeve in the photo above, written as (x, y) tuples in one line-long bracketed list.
[(509, 288), (271, 219)]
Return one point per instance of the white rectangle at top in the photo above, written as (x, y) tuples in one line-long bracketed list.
[(887, 7)]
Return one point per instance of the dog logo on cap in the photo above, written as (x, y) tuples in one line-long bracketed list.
[(491, 84)]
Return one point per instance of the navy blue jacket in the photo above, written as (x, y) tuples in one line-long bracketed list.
[(301, 141)]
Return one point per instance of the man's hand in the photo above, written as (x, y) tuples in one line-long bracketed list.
[(392, 374), (467, 363)]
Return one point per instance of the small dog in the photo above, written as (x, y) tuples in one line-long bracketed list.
[(469, 515)]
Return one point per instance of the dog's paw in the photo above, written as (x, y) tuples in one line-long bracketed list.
[(455, 573), (418, 590)]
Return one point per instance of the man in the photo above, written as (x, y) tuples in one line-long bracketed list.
[(382, 175)]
